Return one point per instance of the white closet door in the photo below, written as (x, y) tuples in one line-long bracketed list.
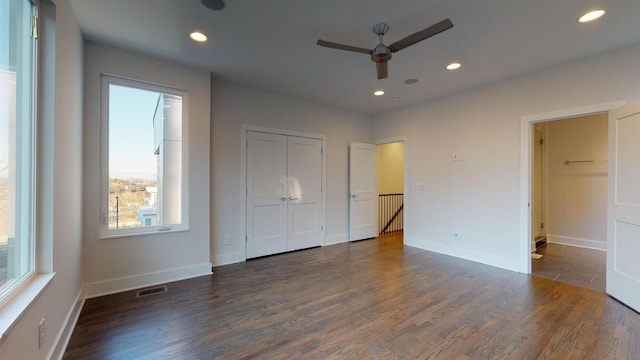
[(305, 193), (266, 194)]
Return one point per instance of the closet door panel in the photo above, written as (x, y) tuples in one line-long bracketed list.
[(305, 193), (266, 194)]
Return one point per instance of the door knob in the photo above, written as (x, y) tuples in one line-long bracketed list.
[(353, 196)]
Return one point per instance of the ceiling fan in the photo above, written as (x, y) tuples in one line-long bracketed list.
[(381, 54)]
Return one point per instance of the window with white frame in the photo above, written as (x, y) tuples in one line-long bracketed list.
[(17, 143), (143, 158)]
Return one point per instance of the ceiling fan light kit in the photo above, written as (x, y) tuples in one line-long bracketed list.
[(381, 54)]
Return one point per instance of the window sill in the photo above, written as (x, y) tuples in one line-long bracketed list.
[(21, 302), (143, 233)]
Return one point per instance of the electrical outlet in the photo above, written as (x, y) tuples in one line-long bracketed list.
[(227, 239), (42, 333), (458, 235)]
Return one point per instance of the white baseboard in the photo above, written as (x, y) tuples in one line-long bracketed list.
[(143, 280), (237, 257), (466, 254), (62, 340), (586, 243), (226, 259), (336, 239)]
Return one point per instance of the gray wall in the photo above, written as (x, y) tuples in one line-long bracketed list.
[(233, 106), (480, 196), (116, 264)]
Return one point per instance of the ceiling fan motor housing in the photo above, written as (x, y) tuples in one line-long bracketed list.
[(381, 54)]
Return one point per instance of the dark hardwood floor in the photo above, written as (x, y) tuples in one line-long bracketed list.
[(373, 299), (571, 264)]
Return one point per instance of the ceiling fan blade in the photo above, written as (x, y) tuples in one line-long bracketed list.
[(432, 30), (333, 45), (381, 67)]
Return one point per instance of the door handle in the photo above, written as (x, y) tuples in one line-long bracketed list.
[(293, 197), (353, 196), (283, 198)]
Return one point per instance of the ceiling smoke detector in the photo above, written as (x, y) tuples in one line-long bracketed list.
[(214, 4)]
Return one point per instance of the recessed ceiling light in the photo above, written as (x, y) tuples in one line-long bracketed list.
[(378, 93), (454, 66), (198, 36), (591, 15), (410, 81)]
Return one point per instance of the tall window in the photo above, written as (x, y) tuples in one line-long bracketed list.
[(17, 153), (143, 185)]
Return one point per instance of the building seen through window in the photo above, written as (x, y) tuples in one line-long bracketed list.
[(145, 156)]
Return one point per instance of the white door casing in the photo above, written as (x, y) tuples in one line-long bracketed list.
[(284, 193), (363, 191), (623, 210)]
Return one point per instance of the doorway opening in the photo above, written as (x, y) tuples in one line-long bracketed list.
[(569, 200), (526, 167), (390, 176)]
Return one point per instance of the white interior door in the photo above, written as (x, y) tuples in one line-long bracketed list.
[(363, 205), (266, 194), (305, 193), (623, 212)]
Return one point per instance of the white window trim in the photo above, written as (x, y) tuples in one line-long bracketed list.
[(27, 290), (105, 233)]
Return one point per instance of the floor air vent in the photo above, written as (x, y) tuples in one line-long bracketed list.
[(152, 291)]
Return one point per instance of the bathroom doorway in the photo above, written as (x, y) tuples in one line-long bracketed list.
[(569, 200)]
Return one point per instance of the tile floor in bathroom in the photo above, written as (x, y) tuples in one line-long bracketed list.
[(571, 264)]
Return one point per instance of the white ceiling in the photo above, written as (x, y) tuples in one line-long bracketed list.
[(270, 45)]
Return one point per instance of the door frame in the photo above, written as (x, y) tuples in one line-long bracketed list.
[(405, 176), (245, 128), (526, 164)]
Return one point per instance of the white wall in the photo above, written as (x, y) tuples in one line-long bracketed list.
[(577, 194), (61, 201), (129, 262), (391, 168), (233, 106), (480, 196)]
